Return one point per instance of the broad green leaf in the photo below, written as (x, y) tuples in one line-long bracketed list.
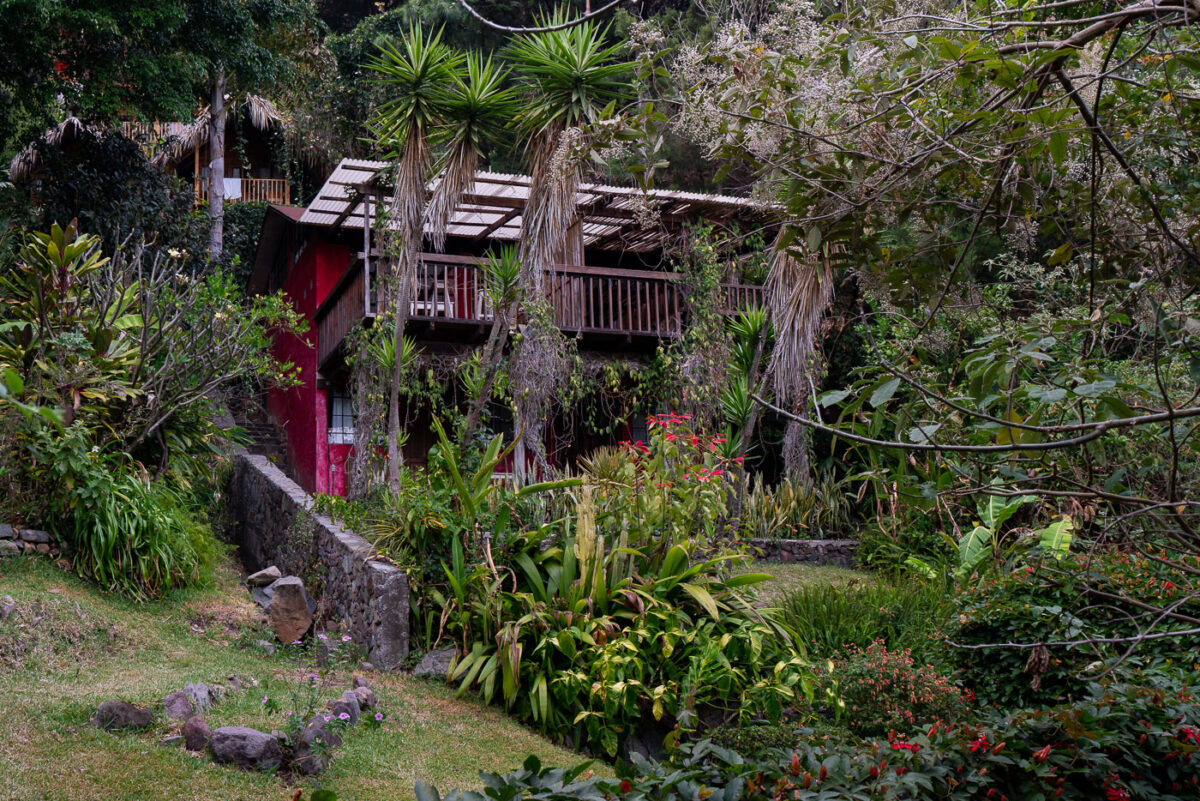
[(827, 399), (923, 432), (1095, 389), (702, 597), (884, 392), (973, 548), (1058, 146), (995, 510), (1057, 536)]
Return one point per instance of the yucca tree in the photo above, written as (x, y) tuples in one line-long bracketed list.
[(418, 71), (571, 80)]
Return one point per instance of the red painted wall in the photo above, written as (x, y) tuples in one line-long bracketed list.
[(301, 410)]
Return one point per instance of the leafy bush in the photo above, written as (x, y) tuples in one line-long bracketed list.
[(1122, 741), (755, 738), (902, 613), (885, 691), (126, 533), (1070, 599), (617, 629), (592, 646)]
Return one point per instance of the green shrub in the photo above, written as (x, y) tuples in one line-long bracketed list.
[(1067, 600), (121, 530), (755, 738), (903, 613), (1123, 741)]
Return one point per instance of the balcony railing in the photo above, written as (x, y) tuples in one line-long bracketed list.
[(249, 190), (586, 300)]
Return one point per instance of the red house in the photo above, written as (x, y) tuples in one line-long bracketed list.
[(613, 292)]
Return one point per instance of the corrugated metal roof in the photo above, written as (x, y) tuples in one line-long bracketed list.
[(612, 216)]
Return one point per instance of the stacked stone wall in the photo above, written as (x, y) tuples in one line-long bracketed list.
[(813, 552), (272, 522)]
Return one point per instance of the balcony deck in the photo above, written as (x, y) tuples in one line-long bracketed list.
[(602, 304), (253, 190)]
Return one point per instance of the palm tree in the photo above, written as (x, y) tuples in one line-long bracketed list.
[(419, 70), (445, 102), (571, 82)]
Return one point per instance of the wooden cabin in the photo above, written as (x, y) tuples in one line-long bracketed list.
[(613, 291)]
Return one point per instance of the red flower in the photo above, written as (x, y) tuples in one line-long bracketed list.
[(626, 786), (1042, 754), (982, 742)]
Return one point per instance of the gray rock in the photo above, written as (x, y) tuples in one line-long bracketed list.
[(200, 696), (177, 706), (235, 683), (6, 532), (196, 734), (121, 716), (8, 607), (435, 663), (367, 667), (267, 646), (314, 746), (359, 681), (365, 696), (264, 577), (171, 740), (35, 536), (245, 747), (10, 548), (290, 615), (346, 705), (262, 596), (42, 548), (388, 645)]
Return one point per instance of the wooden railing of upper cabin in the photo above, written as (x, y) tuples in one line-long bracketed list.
[(254, 190), (586, 300)]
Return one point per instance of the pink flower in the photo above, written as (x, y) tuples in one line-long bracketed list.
[(330, 717), (322, 636), (379, 716), (344, 716), (345, 638)]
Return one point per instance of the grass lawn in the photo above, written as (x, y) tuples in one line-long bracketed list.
[(789, 577), (88, 647)]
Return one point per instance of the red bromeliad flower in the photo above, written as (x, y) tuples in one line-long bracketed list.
[(982, 742), (1042, 754)]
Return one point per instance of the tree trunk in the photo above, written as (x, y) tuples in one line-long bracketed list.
[(493, 351), (406, 266), (216, 167)]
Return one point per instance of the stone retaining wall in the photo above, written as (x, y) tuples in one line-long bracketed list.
[(272, 523), (813, 552), (15, 541)]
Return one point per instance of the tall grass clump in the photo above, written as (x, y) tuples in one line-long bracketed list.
[(904, 614)]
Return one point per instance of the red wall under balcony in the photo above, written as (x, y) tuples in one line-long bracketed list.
[(301, 410)]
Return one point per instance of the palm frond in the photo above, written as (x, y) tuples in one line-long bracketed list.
[(478, 107)]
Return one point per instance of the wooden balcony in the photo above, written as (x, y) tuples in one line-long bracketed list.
[(251, 190), (595, 302)]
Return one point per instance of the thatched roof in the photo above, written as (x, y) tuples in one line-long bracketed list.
[(25, 162), (262, 113)]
